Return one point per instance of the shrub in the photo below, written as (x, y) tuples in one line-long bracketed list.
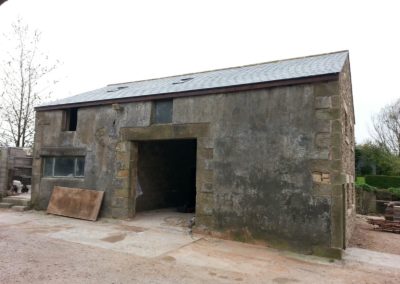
[(395, 192), (391, 193), (366, 187), (383, 194), (383, 181)]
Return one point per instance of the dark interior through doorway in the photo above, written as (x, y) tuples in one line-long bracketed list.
[(166, 175)]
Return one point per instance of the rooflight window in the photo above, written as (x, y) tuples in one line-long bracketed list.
[(182, 80), (116, 89)]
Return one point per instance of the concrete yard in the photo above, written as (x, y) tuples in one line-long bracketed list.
[(156, 247)]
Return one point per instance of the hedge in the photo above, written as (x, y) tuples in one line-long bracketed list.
[(366, 187), (383, 181), (381, 194), (395, 192)]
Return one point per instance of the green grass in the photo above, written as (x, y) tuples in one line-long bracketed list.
[(360, 180)]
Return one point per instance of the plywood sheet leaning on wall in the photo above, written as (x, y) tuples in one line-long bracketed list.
[(75, 202)]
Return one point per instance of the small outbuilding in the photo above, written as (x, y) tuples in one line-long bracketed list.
[(15, 166), (263, 152)]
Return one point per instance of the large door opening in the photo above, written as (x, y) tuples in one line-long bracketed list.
[(166, 175)]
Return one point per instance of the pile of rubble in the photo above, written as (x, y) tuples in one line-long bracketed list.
[(391, 223)]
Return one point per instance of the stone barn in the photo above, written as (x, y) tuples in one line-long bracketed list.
[(260, 153)]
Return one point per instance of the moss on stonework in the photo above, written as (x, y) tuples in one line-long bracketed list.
[(326, 89), (276, 242), (334, 253)]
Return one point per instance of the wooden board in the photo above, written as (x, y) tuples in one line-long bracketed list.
[(75, 202)]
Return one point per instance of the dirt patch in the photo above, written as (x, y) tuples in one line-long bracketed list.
[(45, 229), (42, 258), (114, 238), (130, 228), (366, 237), (176, 222), (284, 280), (168, 258)]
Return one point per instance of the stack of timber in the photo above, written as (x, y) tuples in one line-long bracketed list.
[(391, 223), (385, 225)]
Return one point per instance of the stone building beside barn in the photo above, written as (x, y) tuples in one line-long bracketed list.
[(15, 164), (263, 152)]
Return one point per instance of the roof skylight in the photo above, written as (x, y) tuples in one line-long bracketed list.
[(182, 80)]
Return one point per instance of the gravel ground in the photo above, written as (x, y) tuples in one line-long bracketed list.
[(366, 237), (28, 254)]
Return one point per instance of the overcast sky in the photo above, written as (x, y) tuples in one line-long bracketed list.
[(103, 42)]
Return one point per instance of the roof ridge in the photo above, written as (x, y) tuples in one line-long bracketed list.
[(227, 68)]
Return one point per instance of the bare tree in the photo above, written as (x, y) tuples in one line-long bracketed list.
[(22, 76), (386, 128)]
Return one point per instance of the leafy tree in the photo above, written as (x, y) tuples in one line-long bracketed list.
[(23, 86), (370, 155), (386, 128)]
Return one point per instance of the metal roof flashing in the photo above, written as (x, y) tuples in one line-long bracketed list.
[(278, 73)]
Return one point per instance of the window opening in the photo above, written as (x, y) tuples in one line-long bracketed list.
[(163, 111), (63, 166), (70, 119)]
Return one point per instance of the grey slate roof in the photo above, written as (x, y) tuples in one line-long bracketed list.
[(264, 72)]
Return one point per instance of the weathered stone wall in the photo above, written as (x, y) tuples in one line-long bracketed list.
[(265, 144), (348, 144), (106, 160), (14, 163), (268, 161), (365, 202), (327, 178), (3, 172)]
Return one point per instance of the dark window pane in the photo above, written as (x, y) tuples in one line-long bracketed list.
[(48, 167), (64, 166), (73, 119), (163, 111), (80, 167), (70, 119)]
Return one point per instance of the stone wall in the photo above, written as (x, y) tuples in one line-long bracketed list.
[(3, 172), (264, 145), (106, 159), (348, 144), (268, 161), (15, 163), (365, 202), (327, 178)]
